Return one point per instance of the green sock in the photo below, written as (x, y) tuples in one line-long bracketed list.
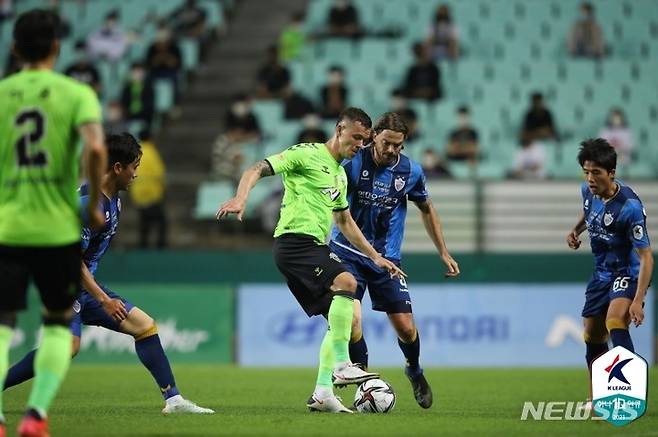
[(5, 341), (50, 365), (340, 326), (327, 361)]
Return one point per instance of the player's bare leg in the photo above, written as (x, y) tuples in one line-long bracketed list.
[(409, 342), (150, 352)]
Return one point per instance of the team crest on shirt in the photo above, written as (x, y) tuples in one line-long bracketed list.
[(399, 183), (607, 219), (638, 232)]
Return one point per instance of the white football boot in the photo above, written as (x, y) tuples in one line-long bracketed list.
[(179, 405), (330, 404), (351, 374)]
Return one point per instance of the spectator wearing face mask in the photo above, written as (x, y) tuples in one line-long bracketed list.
[(619, 135), (334, 93), (164, 59), (463, 143), (586, 37), (433, 166), (113, 119), (273, 76), (292, 39), (82, 69), (110, 41), (400, 105), (442, 36), (138, 96), (530, 160), (295, 104), (343, 20), (311, 131), (423, 78)]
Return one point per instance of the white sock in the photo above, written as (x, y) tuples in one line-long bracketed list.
[(322, 392)]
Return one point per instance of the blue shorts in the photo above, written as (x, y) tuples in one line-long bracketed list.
[(599, 294), (390, 295), (88, 311)]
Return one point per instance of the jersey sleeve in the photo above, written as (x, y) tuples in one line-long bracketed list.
[(288, 160), (636, 224), (341, 202), (418, 191), (89, 109)]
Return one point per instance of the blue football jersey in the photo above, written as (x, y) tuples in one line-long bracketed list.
[(378, 200), (96, 242), (616, 228)]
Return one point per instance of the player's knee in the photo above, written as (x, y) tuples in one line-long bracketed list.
[(8, 318), (149, 332), (345, 282), (595, 337), (407, 333)]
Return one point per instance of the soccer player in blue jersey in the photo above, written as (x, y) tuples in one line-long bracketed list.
[(616, 221), (380, 181), (98, 305)]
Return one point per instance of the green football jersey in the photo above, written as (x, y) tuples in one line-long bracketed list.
[(39, 157), (315, 186)]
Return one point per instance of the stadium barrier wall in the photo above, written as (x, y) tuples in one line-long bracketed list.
[(460, 325), (195, 324)]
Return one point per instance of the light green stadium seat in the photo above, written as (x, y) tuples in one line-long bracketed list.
[(190, 52), (316, 15), (209, 195), (269, 113), (215, 15), (164, 95)]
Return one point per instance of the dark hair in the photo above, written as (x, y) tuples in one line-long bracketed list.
[(598, 151), (418, 48), (463, 110), (391, 121), (336, 69), (355, 115), (537, 96), (122, 148), (35, 32)]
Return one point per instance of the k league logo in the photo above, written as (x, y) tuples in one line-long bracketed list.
[(619, 386)]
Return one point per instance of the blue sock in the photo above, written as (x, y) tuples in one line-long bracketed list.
[(21, 371), (411, 352), (621, 337), (359, 352), (150, 353), (593, 351)]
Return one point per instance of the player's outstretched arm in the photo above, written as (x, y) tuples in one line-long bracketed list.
[(95, 162), (250, 177), (636, 310), (114, 307), (351, 231), (432, 224), (573, 238)]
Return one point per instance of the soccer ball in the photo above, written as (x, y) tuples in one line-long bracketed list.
[(374, 396)]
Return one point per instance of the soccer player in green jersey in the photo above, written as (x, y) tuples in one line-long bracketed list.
[(315, 192), (44, 114)]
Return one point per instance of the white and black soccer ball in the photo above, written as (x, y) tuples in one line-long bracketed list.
[(374, 396)]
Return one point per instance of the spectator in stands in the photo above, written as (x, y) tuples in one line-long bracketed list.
[(619, 135), (442, 36), (334, 93), (273, 76), (82, 69), (530, 160), (147, 193), (296, 105), (400, 105), (6, 10), (432, 165), (312, 132), (110, 41), (423, 78), (138, 96), (292, 39), (190, 21), (463, 141), (343, 20), (586, 37), (164, 59), (241, 122), (114, 121), (538, 122), (242, 127)]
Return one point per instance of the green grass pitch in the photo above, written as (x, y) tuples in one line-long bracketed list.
[(122, 400)]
